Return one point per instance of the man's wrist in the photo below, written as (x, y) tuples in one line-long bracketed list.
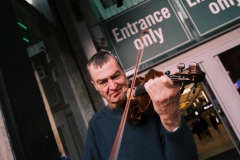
[(171, 123)]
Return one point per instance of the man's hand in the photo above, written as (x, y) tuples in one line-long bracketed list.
[(165, 98)]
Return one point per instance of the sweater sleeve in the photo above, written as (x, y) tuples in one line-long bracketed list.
[(180, 144), (91, 150)]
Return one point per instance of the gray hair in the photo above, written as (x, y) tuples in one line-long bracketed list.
[(100, 58)]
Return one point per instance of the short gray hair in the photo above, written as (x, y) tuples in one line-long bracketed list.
[(100, 58)]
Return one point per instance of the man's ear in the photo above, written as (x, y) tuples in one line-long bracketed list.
[(94, 85)]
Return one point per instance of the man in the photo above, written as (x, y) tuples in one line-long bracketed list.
[(164, 135), (214, 122)]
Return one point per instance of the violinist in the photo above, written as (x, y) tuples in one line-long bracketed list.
[(163, 135)]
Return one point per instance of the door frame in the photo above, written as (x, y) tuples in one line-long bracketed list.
[(206, 55)]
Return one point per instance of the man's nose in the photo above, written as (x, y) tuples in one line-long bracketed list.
[(112, 84)]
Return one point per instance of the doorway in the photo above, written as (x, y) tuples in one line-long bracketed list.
[(221, 89), (214, 139)]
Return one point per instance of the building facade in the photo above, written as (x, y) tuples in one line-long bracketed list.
[(56, 38)]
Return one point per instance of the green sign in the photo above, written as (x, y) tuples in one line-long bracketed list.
[(209, 15), (164, 32)]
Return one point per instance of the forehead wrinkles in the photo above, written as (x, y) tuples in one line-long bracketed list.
[(95, 65)]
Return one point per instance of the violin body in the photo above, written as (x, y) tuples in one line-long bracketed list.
[(142, 104)]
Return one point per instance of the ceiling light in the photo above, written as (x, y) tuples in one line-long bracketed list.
[(186, 90), (196, 113), (205, 96), (197, 100), (29, 1)]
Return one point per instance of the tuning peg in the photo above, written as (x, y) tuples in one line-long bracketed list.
[(193, 65), (181, 66)]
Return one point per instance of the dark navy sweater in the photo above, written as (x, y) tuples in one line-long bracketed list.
[(148, 140)]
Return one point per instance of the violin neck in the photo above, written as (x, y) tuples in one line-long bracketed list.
[(140, 90)]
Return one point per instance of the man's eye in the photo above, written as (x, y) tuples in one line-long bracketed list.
[(115, 76), (101, 82)]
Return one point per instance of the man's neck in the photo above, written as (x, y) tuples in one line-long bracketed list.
[(121, 105)]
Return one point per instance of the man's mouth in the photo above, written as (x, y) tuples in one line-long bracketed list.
[(115, 93)]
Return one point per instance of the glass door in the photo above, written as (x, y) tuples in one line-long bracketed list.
[(212, 132), (224, 142), (230, 59)]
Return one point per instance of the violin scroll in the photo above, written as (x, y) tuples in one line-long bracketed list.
[(194, 75)]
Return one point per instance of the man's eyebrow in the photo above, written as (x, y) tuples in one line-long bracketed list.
[(100, 80), (118, 71)]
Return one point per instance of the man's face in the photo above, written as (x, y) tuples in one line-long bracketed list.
[(110, 81)]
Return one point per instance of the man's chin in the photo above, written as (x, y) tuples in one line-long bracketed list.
[(116, 103)]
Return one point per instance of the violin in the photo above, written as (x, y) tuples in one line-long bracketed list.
[(140, 100)]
